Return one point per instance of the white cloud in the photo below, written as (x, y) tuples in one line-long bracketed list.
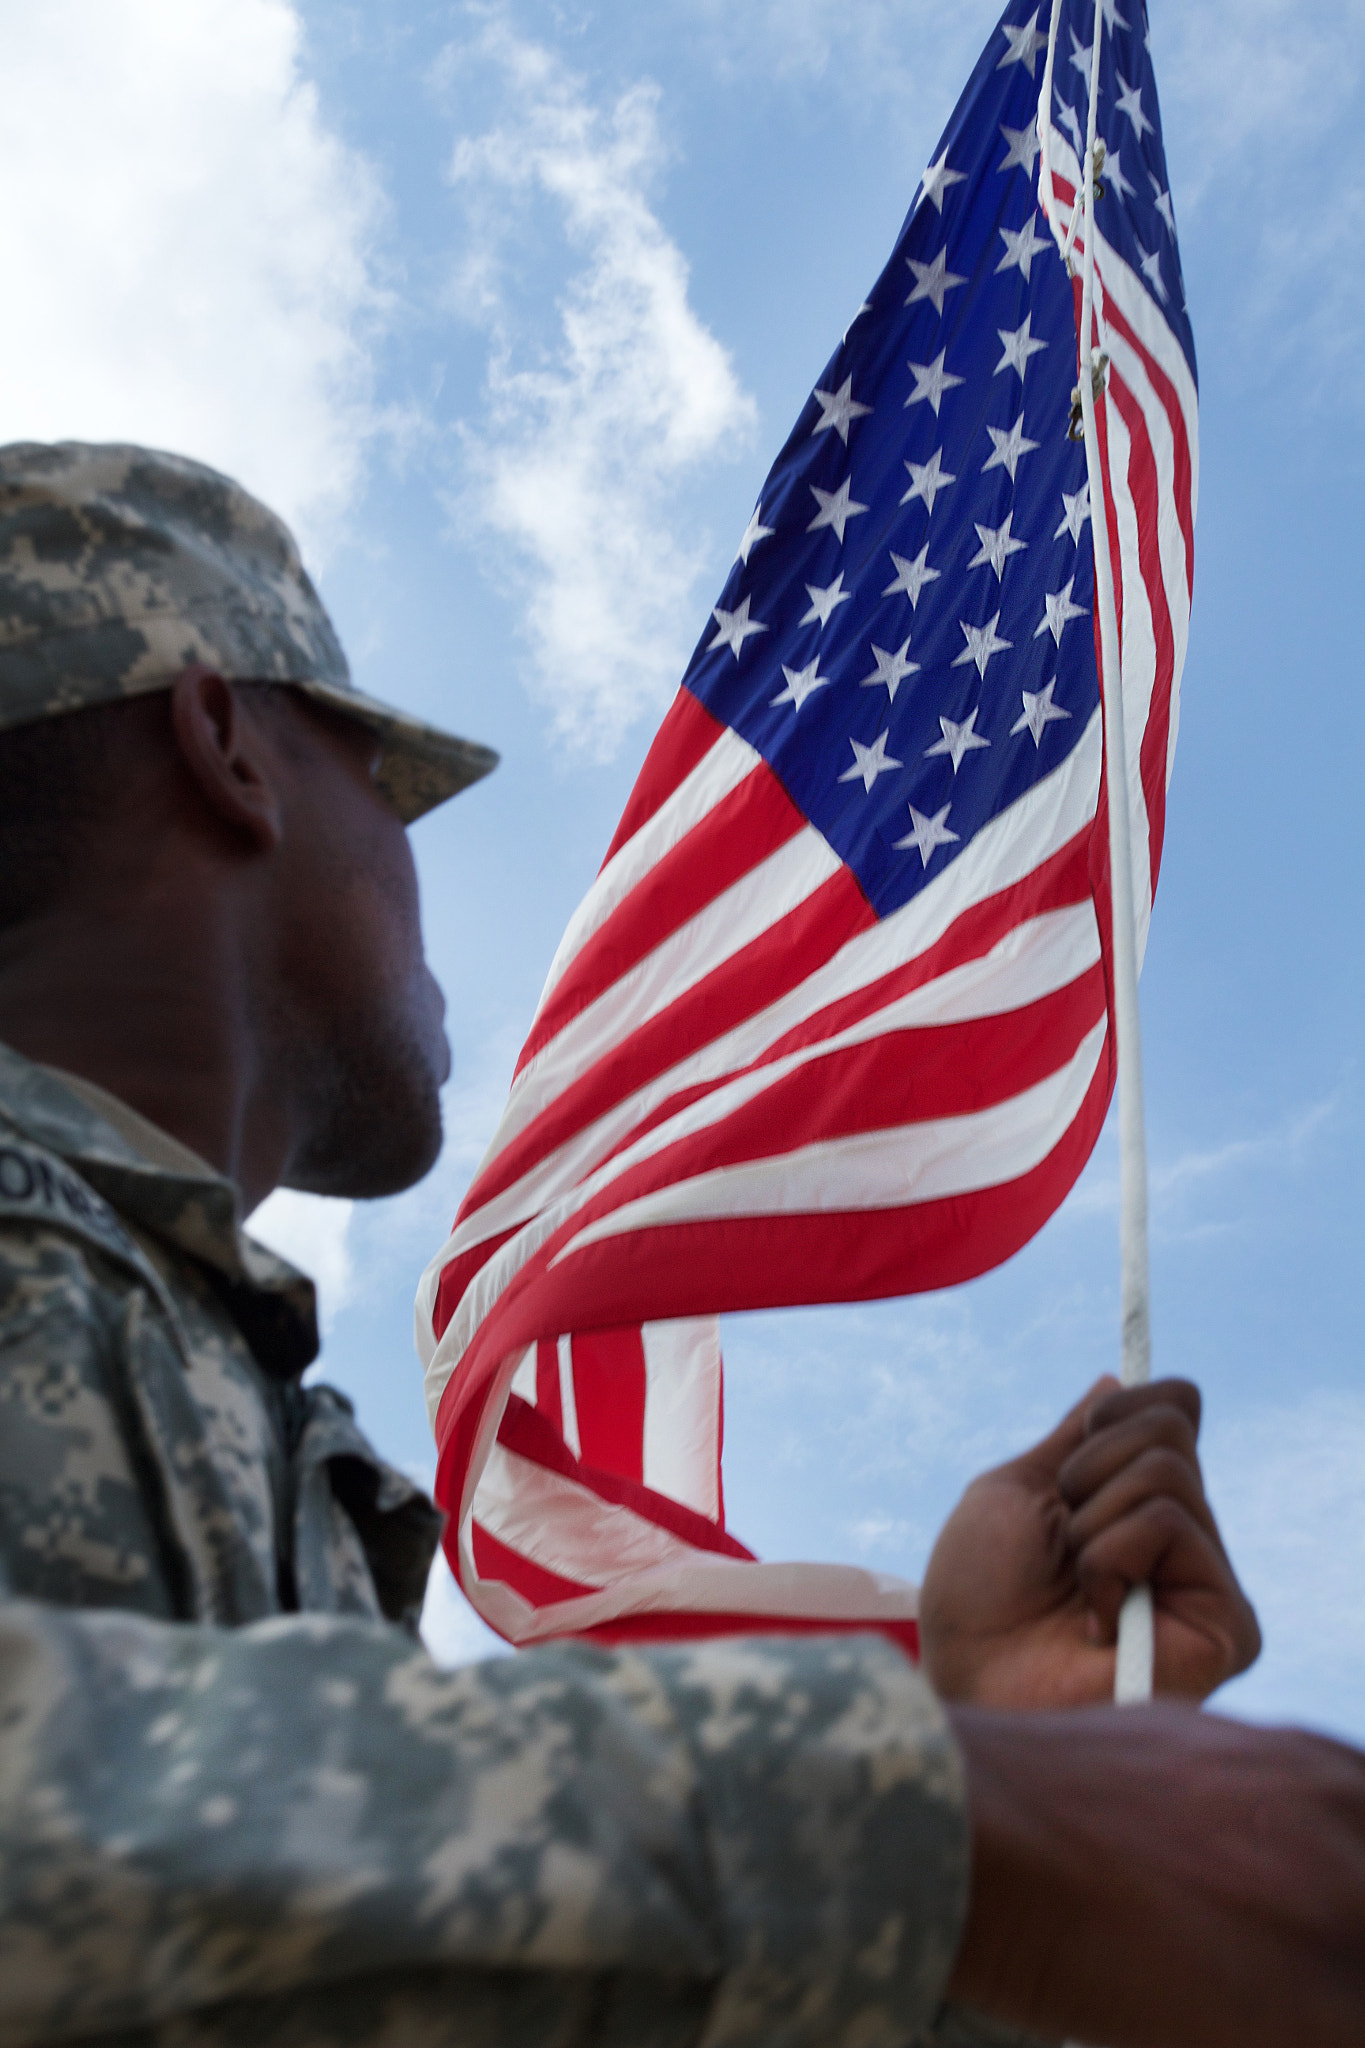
[(314, 1233), (1173, 1180), (185, 245), (577, 460), (916, 51)]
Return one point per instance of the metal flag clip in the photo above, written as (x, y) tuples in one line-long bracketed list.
[(1099, 363)]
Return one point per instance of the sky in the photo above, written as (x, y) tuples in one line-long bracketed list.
[(507, 308)]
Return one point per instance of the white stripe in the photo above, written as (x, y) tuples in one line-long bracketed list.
[(567, 1528), (1119, 281), (729, 923), (568, 1396), (888, 1169), (1004, 852), (1135, 302), (706, 1583), (524, 1378), (1175, 570), (719, 771), (683, 1411), (1060, 943), (1137, 661)]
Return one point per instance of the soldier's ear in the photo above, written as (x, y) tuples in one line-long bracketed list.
[(228, 756)]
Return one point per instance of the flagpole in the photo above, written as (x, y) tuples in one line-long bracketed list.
[(1134, 1660)]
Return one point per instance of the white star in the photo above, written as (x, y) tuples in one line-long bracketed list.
[(836, 508), (754, 532), (1018, 344), (1021, 246), (928, 833), (1163, 202), (957, 740), (823, 602), (937, 179), (1113, 174), (735, 628), (933, 281), (1009, 447), (892, 669), (1080, 58), (982, 643), (837, 410), (1024, 45), (1039, 710), (1113, 20), (927, 479), (997, 545), (870, 762), (931, 381), (1129, 102), (1057, 609), (911, 577), (800, 683), (1149, 263), (1021, 147), (1071, 121), (1075, 512)]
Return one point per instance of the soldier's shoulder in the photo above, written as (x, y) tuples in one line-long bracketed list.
[(50, 1217)]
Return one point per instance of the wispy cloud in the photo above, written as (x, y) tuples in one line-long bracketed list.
[(575, 464), (314, 1233), (1174, 1179), (913, 50), (1288, 1482), (187, 245)]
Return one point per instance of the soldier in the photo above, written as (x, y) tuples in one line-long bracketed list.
[(237, 1800)]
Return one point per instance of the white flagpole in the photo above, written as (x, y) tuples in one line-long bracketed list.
[(1133, 1672)]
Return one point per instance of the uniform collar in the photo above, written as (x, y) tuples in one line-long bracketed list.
[(171, 1194)]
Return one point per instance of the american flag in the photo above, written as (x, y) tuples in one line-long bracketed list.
[(834, 1020)]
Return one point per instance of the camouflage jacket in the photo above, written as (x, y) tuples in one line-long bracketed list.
[(238, 1803)]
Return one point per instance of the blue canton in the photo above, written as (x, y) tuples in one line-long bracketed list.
[(906, 635)]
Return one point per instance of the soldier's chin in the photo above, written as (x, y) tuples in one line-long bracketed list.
[(377, 1141)]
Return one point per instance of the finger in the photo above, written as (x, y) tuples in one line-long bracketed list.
[(1155, 1474), (1096, 1461), (1052, 1451), (1116, 1404), (1161, 1544)]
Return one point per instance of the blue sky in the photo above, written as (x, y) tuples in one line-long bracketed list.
[(508, 308)]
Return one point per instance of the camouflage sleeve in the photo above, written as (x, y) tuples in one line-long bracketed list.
[(78, 1521), (304, 1833)]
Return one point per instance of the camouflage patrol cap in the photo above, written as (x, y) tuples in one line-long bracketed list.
[(120, 566)]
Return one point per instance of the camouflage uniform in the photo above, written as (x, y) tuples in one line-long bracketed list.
[(238, 1802)]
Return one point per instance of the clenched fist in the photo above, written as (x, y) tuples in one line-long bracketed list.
[(1020, 1603)]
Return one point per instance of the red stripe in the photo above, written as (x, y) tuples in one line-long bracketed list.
[(775, 963), (494, 1560), (524, 1430), (785, 956), (460, 1271), (686, 737), (1142, 483), (707, 1268), (1180, 432), (1059, 881), (898, 1078), (549, 1399), (609, 1395), (744, 829)]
